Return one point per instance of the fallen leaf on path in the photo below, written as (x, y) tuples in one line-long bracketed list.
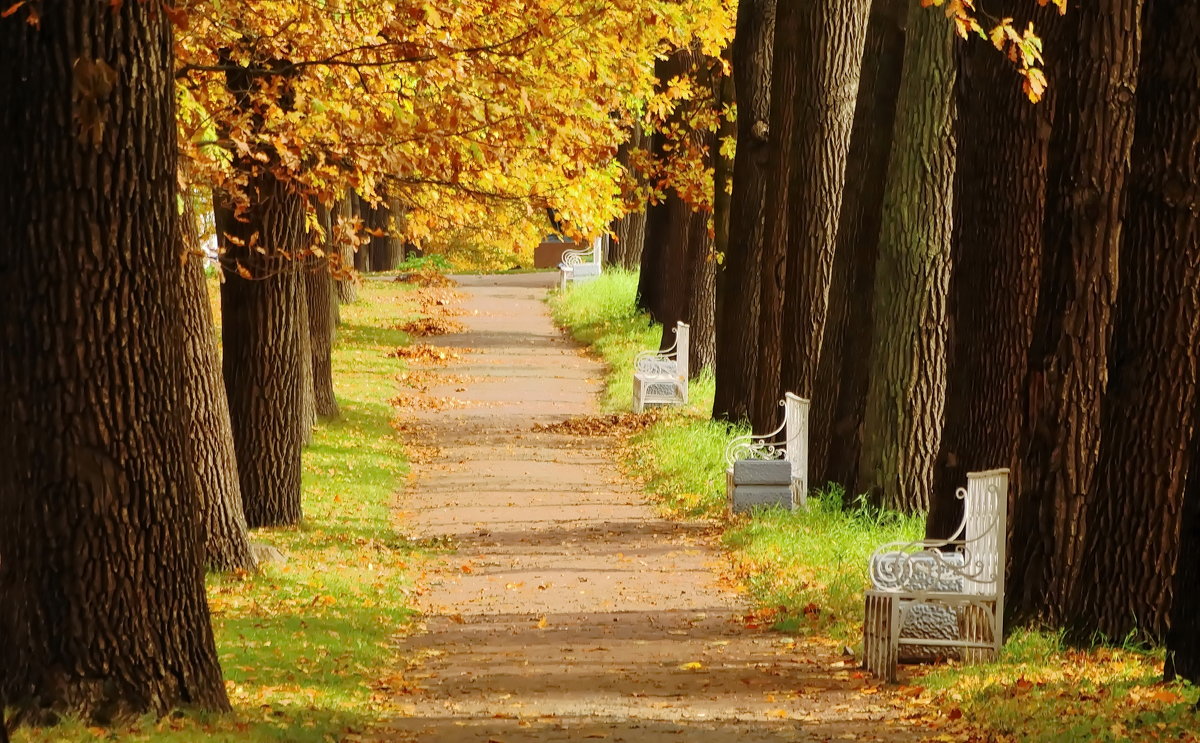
[(693, 666)]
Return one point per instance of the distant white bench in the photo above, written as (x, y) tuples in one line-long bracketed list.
[(771, 469), (962, 575), (661, 377), (581, 266)]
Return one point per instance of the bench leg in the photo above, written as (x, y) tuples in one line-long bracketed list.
[(638, 404)]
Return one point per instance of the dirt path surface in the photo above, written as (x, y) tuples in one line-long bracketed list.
[(568, 610)]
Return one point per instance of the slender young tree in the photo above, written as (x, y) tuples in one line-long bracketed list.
[(739, 283), (902, 427), (1148, 417), (103, 614), (1095, 79), (839, 396)]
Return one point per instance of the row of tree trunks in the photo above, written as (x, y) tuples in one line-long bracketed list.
[(831, 40), (629, 232), (1068, 370), (1136, 495), (736, 357), (817, 60), (786, 62), (996, 253), (226, 544), (839, 396), (103, 613), (905, 396)]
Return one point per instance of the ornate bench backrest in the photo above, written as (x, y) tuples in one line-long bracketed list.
[(985, 528), (795, 429), (682, 338)]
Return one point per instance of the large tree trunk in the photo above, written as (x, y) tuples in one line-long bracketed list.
[(652, 289), (629, 232), (1133, 513), (1068, 368), (999, 203), (261, 355), (739, 284), (214, 464), (103, 613), (346, 284), (839, 396), (830, 46), (903, 422)]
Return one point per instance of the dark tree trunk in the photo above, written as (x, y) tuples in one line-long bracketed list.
[(629, 236), (700, 301), (387, 249), (1183, 638), (786, 62), (1133, 513), (739, 284), (103, 613), (343, 215), (839, 397), (261, 341), (903, 422), (829, 51), (222, 521), (318, 285), (1068, 368), (999, 204)]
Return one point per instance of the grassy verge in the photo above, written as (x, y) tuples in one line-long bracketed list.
[(302, 643), (806, 571)]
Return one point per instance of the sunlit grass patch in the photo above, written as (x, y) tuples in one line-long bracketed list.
[(302, 642), (1041, 691)]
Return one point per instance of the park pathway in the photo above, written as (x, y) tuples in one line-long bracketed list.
[(567, 610)]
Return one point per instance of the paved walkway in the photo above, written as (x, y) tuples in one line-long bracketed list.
[(569, 611)]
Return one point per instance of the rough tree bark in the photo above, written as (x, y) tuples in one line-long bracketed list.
[(1183, 638), (261, 354), (1136, 495), (996, 254), (839, 396), (905, 396), (1067, 367), (739, 284), (103, 613), (830, 46), (210, 436)]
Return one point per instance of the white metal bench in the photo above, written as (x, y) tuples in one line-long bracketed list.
[(963, 574), (748, 484), (661, 377), (581, 266)]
